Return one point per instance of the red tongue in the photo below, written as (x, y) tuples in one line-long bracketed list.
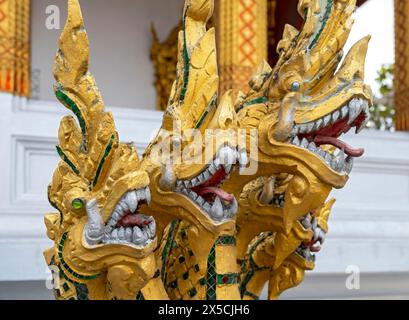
[(131, 220), (219, 192), (352, 152)]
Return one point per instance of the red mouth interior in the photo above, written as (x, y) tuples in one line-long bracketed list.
[(209, 189), (133, 219), (330, 134)]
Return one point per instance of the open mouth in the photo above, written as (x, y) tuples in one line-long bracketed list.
[(326, 131), (205, 190), (127, 225), (310, 249)]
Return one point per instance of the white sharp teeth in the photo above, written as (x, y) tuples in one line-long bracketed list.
[(228, 157), (152, 229), (117, 215), (179, 184), (200, 200), (354, 110), (328, 158), (217, 209), (124, 205), (349, 165), (321, 153), (137, 236), (310, 127), (296, 141), (344, 112), (296, 130), (192, 195), (121, 233), (112, 222), (187, 184), (338, 162), (146, 235), (312, 147), (217, 163), (303, 129), (322, 236), (114, 234), (201, 178), (207, 207), (128, 234), (108, 229), (195, 182), (206, 175), (304, 143), (243, 158), (318, 124), (148, 195), (336, 116), (212, 169), (132, 201), (327, 120)]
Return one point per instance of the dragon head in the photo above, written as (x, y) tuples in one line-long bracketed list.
[(305, 103), (198, 134), (100, 237)]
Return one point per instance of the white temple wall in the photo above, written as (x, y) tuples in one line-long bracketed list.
[(120, 39)]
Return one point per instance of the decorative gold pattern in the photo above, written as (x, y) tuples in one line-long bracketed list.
[(164, 58), (401, 84), (15, 47), (212, 246), (242, 41)]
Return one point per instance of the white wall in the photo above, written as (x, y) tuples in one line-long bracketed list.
[(120, 37)]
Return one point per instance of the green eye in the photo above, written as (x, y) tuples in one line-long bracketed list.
[(295, 86), (77, 204)]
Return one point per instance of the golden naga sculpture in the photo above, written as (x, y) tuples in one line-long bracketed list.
[(234, 188)]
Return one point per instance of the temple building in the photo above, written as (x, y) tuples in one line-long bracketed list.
[(133, 57)]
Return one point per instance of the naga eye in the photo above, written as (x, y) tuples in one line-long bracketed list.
[(295, 86), (77, 204)]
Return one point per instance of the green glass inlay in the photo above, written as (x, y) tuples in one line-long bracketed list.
[(324, 23), (252, 102), (253, 266), (229, 278), (186, 275), (77, 204), (168, 247), (82, 291), (211, 277), (70, 104), (65, 158), (65, 287), (67, 267), (226, 240), (104, 157), (182, 259), (197, 268), (186, 60), (202, 281), (174, 284), (192, 292), (211, 105)]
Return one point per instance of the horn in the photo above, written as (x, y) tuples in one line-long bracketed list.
[(94, 229)]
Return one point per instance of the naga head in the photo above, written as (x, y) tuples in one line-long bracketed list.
[(305, 103), (198, 145), (98, 186)]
